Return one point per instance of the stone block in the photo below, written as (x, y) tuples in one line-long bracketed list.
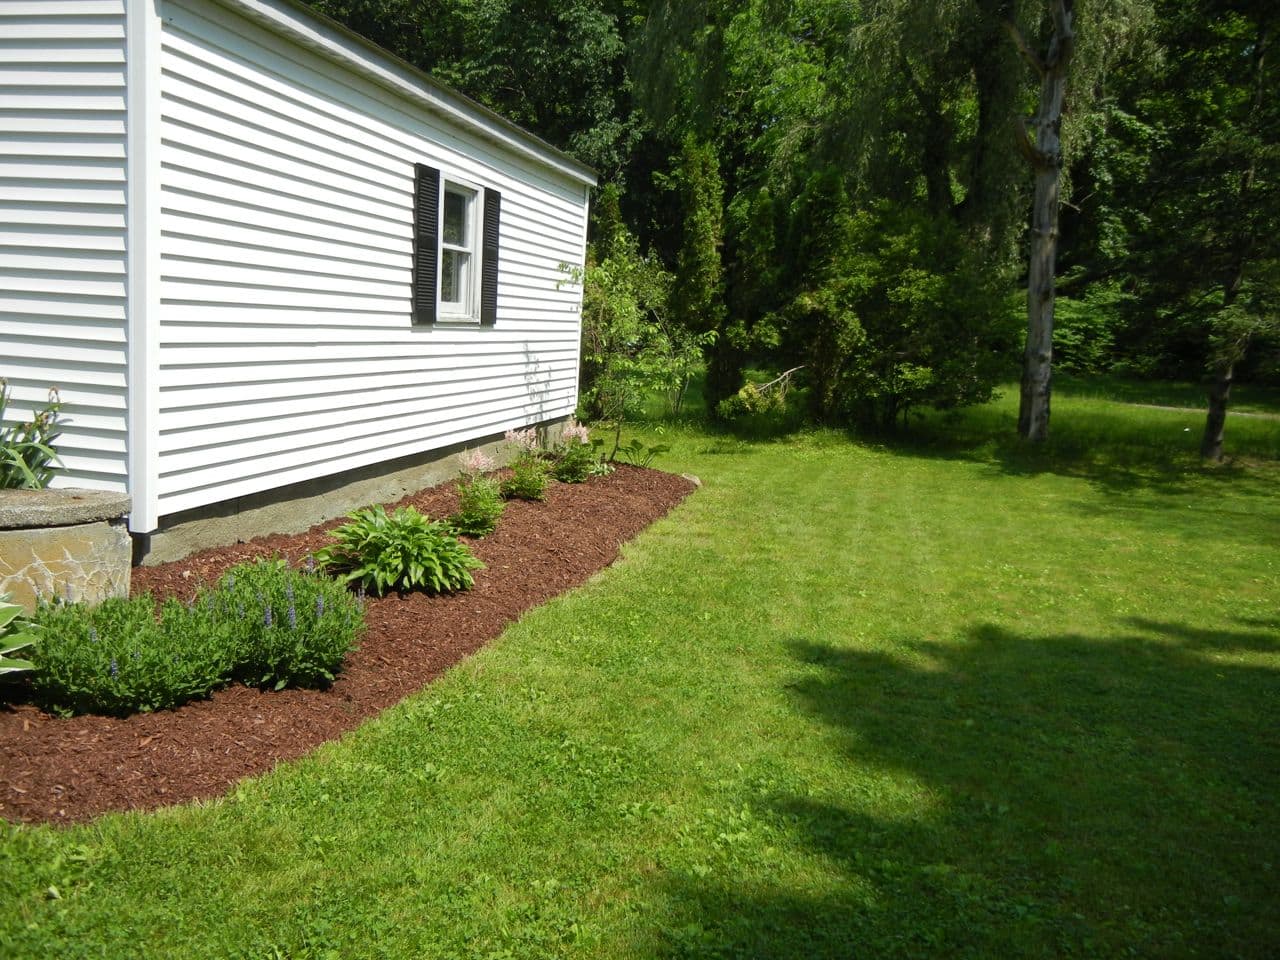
[(85, 561)]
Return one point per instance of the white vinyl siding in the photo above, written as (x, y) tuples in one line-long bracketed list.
[(287, 349), (62, 225)]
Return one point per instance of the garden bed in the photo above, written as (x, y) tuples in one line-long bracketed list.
[(72, 769)]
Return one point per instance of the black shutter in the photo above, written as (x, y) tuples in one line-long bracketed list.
[(489, 258), (426, 242)]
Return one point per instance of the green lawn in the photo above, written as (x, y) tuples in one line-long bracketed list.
[(935, 697)]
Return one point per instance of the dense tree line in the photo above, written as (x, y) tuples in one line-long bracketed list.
[(861, 189)]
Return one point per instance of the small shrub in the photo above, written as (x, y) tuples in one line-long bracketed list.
[(403, 550), (287, 627), (118, 658), (16, 635), (575, 461), (479, 507), (528, 480), (27, 457)]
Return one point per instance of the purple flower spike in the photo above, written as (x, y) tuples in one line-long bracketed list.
[(266, 617), (115, 668), (320, 606), (293, 617)]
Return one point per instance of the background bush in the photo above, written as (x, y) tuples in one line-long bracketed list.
[(402, 550)]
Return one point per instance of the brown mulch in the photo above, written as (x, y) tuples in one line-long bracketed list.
[(71, 769)]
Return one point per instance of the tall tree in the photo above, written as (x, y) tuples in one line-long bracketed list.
[(1045, 156)]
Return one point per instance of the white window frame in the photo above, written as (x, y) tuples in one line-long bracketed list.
[(468, 311)]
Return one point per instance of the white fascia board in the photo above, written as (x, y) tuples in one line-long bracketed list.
[(365, 58), (142, 246)]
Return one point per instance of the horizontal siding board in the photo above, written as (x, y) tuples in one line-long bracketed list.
[(482, 419), (62, 249)]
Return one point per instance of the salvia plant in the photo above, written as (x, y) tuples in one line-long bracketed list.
[(403, 550), (27, 457), (262, 624)]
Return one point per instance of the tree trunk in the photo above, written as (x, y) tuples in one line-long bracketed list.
[(1045, 157), (1215, 423), (1220, 390)]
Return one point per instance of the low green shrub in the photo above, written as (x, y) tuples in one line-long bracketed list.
[(577, 456), (402, 550), (119, 658), (263, 624), (528, 480), (480, 507), (288, 628), (16, 635), (27, 457)]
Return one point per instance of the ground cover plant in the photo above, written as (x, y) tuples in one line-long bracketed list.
[(919, 698)]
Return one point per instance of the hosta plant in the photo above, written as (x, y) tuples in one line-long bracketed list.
[(403, 550), (16, 635)]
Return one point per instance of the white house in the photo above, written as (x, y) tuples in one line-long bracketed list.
[(255, 251)]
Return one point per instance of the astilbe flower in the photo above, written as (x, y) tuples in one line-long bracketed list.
[(573, 430), (472, 463), (526, 440)]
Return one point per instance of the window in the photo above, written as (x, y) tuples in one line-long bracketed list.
[(455, 250)]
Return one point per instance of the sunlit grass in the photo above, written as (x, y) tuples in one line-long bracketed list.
[(929, 696)]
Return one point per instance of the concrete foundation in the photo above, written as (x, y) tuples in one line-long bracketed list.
[(300, 506), (64, 543)]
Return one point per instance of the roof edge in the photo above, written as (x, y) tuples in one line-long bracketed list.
[(324, 35)]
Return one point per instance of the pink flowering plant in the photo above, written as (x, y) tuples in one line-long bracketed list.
[(525, 441), (480, 503), (577, 457)]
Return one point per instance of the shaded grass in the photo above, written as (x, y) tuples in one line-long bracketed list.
[(927, 697)]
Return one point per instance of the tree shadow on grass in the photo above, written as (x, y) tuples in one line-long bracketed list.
[(1113, 448), (1012, 795)]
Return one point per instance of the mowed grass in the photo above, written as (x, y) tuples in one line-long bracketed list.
[(935, 697)]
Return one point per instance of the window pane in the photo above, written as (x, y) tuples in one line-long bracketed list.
[(455, 218), (453, 276)]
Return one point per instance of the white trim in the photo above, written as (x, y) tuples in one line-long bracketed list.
[(366, 59), (142, 243), (470, 312)]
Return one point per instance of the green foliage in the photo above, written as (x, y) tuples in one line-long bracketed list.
[(1085, 330), (263, 624), (900, 314), (118, 658), (16, 635), (574, 463), (480, 506), (403, 550), (640, 453), (27, 456), (287, 628), (528, 480)]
